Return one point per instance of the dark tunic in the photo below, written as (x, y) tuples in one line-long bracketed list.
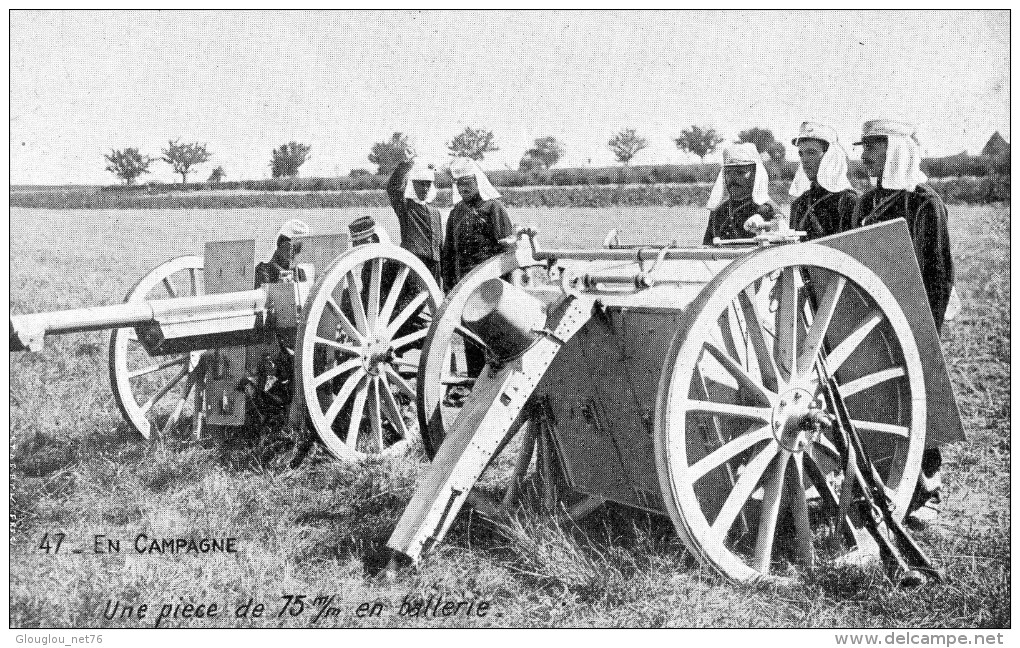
[(927, 220), (821, 212), (267, 272), (473, 232), (421, 226), (727, 220)]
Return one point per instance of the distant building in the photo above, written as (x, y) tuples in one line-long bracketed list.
[(996, 146)]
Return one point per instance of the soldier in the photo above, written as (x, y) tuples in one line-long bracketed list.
[(892, 157), (411, 189), (824, 200), (739, 201), (477, 223), (274, 270)]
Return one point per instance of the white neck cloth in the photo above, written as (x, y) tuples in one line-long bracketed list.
[(832, 172), (902, 164), (760, 193), (464, 167)]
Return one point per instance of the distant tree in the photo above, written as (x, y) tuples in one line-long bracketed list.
[(626, 144), (473, 144), (388, 154), (128, 164), (288, 159), (217, 175), (360, 173), (547, 151), (529, 163), (184, 156), (699, 140), (762, 138), (995, 146)]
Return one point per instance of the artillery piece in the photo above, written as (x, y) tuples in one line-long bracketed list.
[(196, 344), (772, 398)]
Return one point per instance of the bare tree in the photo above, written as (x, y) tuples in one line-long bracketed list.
[(626, 144)]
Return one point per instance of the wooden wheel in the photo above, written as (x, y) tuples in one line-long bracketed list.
[(446, 339), (749, 477), (154, 393), (358, 349)]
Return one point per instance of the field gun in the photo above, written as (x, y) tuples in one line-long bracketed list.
[(336, 343), (772, 398)]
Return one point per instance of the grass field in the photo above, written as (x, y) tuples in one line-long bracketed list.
[(321, 529)]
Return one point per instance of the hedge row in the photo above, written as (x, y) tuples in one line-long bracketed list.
[(945, 167), (960, 190)]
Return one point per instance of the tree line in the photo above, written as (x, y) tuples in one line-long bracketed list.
[(129, 164)]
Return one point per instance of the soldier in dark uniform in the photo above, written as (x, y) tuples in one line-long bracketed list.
[(824, 200), (741, 192), (477, 223), (892, 157), (272, 271), (411, 189)]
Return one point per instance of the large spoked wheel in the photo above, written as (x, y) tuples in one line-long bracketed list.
[(155, 394), (751, 478), (444, 354), (359, 348)]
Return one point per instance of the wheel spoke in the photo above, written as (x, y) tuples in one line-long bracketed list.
[(357, 305), (770, 513), (410, 338), (345, 323), (194, 282), (408, 311), (392, 407), (332, 373), (357, 410), (175, 416), (346, 348), (375, 412), (374, 289), (746, 484), (869, 381), (744, 378), (164, 390), (169, 287), (766, 362), (844, 349), (728, 409), (721, 455), (882, 428), (401, 384), (820, 326), (144, 371), (787, 322), (391, 298), (797, 499), (343, 395)]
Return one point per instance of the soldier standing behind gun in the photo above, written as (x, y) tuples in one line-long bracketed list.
[(824, 200), (477, 223), (739, 201), (892, 157), (411, 189)]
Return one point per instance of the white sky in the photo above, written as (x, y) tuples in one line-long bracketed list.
[(246, 82)]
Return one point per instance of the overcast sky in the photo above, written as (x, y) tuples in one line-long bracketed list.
[(246, 82)]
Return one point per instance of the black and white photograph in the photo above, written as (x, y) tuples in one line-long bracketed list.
[(444, 319)]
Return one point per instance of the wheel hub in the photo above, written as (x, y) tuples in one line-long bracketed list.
[(375, 353), (794, 419)]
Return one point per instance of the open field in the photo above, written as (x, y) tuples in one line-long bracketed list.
[(321, 529)]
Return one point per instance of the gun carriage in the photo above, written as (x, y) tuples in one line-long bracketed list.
[(195, 344), (773, 399)]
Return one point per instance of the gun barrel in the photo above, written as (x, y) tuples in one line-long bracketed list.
[(28, 331)]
